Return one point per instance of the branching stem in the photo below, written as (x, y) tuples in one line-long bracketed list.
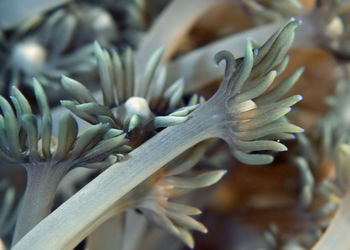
[(337, 233), (89, 208), (42, 182)]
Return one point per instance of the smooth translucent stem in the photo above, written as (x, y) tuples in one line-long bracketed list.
[(198, 67), (42, 182), (107, 233), (179, 16), (337, 233), (108, 236), (70, 223)]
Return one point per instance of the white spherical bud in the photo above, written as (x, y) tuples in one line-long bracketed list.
[(29, 56), (138, 106)]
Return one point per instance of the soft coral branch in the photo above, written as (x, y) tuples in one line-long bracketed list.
[(235, 113), (26, 140), (337, 233), (196, 67)]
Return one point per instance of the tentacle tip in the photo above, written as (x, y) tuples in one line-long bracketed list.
[(293, 19), (108, 124), (223, 172), (300, 97), (249, 38)]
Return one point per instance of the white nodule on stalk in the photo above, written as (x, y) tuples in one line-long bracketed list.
[(102, 19), (29, 56), (335, 28), (138, 106)]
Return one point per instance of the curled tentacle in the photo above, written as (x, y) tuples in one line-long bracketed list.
[(230, 62), (255, 111)]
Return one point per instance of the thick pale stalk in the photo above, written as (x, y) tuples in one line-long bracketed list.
[(108, 236), (38, 197), (337, 234), (179, 16), (86, 210)]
